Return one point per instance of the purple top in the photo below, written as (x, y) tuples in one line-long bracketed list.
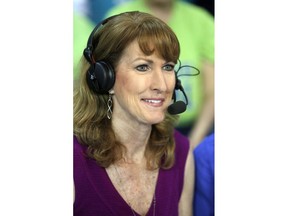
[(96, 195)]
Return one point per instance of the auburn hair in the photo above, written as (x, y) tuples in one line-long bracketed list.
[(91, 126)]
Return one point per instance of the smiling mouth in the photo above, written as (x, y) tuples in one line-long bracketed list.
[(154, 102)]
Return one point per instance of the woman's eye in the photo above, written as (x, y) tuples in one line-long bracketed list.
[(169, 67), (142, 67)]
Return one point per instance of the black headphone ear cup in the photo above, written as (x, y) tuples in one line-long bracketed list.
[(106, 76), (91, 79), (100, 77)]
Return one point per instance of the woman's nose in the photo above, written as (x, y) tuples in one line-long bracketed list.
[(158, 80)]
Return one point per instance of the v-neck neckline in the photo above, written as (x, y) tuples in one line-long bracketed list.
[(119, 198)]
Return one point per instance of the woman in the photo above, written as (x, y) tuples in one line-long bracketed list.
[(128, 160)]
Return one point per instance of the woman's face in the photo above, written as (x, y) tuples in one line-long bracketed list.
[(144, 86)]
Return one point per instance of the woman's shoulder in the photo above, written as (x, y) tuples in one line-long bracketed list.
[(76, 144), (78, 149)]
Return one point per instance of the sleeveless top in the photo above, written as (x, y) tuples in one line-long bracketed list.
[(95, 194)]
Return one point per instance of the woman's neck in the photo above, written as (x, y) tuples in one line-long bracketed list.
[(134, 137)]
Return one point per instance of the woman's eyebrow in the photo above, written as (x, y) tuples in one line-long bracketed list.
[(143, 59)]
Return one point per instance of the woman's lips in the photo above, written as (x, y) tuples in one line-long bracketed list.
[(154, 102)]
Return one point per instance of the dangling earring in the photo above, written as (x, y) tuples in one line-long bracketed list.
[(109, 104)]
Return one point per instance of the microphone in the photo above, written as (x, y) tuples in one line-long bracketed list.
[(178, 106)]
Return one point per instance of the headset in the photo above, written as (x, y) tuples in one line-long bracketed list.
[(100, 76)]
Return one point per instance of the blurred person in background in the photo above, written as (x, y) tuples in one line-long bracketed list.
[(204, 195)]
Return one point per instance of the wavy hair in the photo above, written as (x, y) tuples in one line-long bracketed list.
[(91, 126)]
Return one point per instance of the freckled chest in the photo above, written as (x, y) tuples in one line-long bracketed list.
[(135, 185)]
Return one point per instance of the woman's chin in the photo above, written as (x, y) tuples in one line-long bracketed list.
[(155, 119)]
